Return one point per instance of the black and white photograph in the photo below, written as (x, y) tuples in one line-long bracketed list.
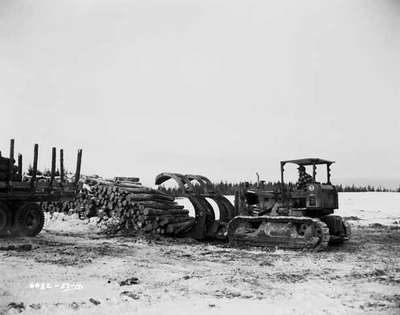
[(202, 157)]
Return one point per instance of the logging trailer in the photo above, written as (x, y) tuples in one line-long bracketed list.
[(20, 197)]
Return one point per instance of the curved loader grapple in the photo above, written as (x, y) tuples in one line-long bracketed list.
[(206, 225)]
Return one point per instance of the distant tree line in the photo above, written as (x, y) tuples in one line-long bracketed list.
[(228, 188), (46, 172), (354, 188)]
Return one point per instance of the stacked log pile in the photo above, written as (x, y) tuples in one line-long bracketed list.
[(128, 207)]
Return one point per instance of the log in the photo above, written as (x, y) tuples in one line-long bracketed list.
[(178, 228), (127, 179), (62, 172), (149, 197), (158, 212), (140, 189), (34, 167), (160, 205), (167, 220), (53, 166)]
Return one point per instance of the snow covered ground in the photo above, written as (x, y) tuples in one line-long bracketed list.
[(371, 207), (71, 269), (61, 223)]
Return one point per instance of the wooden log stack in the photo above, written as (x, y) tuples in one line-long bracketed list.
[(128, 207)]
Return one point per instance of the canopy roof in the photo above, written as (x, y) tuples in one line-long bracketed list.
[(309, 161)]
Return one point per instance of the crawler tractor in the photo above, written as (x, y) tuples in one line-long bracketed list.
[(293, 217), (20, 196)]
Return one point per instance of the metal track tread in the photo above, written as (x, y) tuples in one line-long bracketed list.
[(279, 232)]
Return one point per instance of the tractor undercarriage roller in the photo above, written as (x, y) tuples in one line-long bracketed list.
[(280, 231)]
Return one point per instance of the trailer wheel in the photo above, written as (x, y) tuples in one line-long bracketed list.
[(3, 218), (29, 219)]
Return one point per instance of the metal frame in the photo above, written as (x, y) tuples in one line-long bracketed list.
[(15, 189), (306, 162)]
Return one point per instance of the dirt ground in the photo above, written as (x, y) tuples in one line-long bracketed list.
[(80, 272)]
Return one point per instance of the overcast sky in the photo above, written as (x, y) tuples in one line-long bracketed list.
[(223, 88)]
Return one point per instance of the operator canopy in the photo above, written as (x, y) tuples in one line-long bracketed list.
[(309, 161)]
